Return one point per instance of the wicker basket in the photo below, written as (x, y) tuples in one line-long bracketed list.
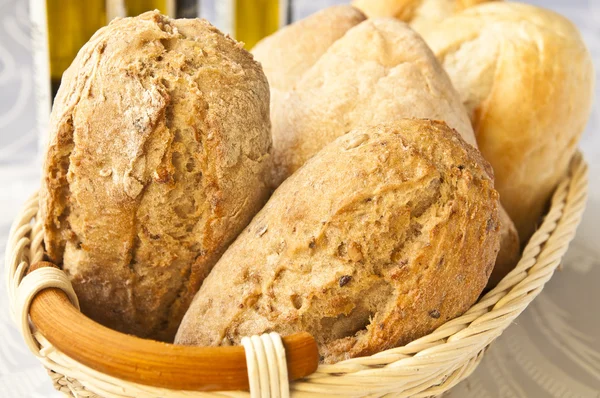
[(43, 304)]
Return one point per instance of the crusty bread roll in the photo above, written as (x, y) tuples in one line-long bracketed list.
[(159, 157), (288, 53), (384, 235), (422, 15), (379, 71), (526, 78)]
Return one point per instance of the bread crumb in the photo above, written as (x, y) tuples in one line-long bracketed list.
[(357, 141), (262, 230), (354, 252)]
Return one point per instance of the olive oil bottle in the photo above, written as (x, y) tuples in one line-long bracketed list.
[(59, 29), (172, 8), (73, 22), (249, 20)]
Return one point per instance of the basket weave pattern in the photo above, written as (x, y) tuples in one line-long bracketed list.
[(425, 367)]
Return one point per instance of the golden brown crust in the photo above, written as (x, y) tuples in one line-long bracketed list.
[(422, 15), (510, 249), (527, 81), (379, 71), (384, 235), (159, 155), (403, 10)]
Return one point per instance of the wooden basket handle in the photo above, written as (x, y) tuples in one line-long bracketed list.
[(151, 362)]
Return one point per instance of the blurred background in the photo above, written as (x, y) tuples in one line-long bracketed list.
[(39, 39)]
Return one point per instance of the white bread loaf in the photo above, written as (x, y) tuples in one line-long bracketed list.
[(421, 15), (526, 79)]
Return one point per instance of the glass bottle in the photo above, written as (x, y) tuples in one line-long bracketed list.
[(59, 29), (247, 20), (172, 8)]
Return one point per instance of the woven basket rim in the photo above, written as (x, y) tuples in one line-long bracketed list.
[(425, 367)]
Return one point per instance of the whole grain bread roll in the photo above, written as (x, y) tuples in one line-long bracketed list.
[(526, 78), (159, 157), (422, 15), (378, 72), (384, 235)]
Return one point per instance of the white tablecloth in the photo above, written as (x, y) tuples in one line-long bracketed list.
[(552, 350)]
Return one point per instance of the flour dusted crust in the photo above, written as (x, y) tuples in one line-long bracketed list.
[(526, 79), (379, 71), (288, 53), (384, 235), (159, 156)]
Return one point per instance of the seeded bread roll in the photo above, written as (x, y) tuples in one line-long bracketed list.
[(159, 157), (384, 235), (526, 79), (380, 71), (422, 15)]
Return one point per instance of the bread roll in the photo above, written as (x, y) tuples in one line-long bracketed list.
[(527, 79), (384, 235), (288, 53), (378, 72), (159, 157), (422, 15)]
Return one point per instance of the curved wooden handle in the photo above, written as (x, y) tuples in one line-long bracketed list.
[(151, 362)]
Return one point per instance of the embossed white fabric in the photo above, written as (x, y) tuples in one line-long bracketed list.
[(552, 350)]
